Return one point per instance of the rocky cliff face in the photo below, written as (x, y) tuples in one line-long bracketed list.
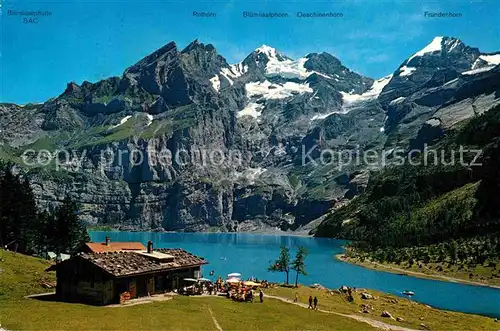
[(185, 141)]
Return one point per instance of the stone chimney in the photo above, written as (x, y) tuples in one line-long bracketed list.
[(150, 247)]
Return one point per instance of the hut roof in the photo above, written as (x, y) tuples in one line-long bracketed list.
[(115, 247), (127, 263)]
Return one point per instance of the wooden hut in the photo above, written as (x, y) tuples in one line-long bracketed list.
[(102, 278)]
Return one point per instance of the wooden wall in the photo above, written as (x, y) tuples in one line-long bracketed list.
[(80, 281)]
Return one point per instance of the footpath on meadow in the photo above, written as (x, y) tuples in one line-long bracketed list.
[(217, 325), (370, 321)]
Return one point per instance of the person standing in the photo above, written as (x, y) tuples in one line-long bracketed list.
[(261, 296), (310, 302), (296, 297), (315, 303)]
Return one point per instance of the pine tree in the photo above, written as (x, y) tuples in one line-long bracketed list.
[(6, 203), (18, 211), (70, 232), (299, 264), (282, 264)]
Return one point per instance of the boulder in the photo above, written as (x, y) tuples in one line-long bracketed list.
[(366, 296), (385, 313), (366, 308), (318, 286), (400, 319)]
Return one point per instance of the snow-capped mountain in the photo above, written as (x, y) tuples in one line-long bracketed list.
[(441, 72), (268, 107)]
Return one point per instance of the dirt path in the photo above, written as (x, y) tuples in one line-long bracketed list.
[(367, 320), (387, 268), (217, 325)]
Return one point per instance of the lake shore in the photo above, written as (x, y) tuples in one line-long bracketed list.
[(405, 272), (271, 232)]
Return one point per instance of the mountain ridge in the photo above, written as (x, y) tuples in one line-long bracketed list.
[(268, 108)]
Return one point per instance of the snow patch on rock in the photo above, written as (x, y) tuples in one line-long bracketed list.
[(215, 82), (122, 121), (267, 50), (452, 44), (150, 119), (282, 66), (406, 71), (271, 91), (350, 99), (477, 71), (252, 109), (287, 68), (433, 122), (372, 93), (233, 72), (397, 100), (491, 59), (259, 92), (434, 46), (322, 116)]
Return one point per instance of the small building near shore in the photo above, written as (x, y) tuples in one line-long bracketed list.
[(103, 278)]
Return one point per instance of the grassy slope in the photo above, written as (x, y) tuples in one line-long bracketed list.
[(411, 311), (21, 276)]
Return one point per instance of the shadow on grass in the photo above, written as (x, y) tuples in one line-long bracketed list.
[(51, 296)]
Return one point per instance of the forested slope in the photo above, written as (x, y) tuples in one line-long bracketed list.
[(411, 206)]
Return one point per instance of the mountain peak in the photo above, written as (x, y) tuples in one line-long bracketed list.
[(270, 53), (434, 46), (167, 50), (196, 45), (440, 45), (267, 50)]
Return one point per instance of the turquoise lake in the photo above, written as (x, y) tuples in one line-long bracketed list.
[(251, 254)]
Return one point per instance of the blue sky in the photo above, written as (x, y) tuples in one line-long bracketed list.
[(91, 40)]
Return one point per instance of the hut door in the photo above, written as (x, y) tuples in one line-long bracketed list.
[(151, 285), (132, 289), (175, 282), (142, 288)]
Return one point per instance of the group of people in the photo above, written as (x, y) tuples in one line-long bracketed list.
[(243, 293), (313, 303)]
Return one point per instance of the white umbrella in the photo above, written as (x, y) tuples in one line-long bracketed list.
[(190, 280), (234, 274), (233, 280)]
